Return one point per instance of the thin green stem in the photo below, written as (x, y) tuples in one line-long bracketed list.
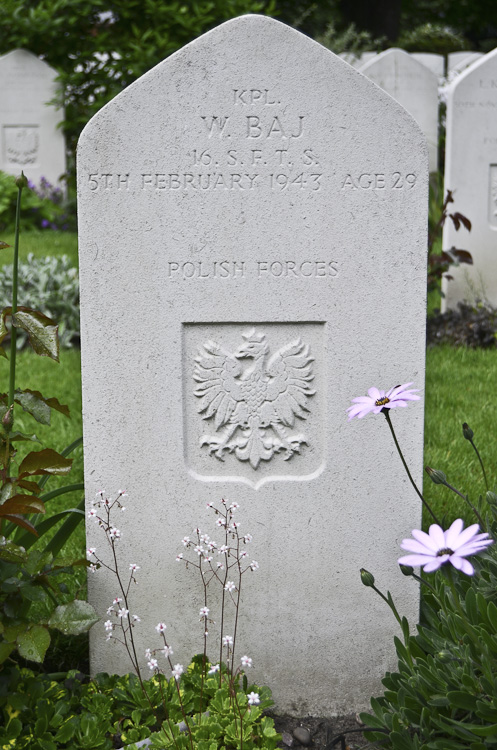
[(13, 330), (481, 464), (390, 604), (466, 499), (426, 505)]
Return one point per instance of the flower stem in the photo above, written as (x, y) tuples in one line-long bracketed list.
[(426, 505), (481, 463), (466, 498), (13, 329)]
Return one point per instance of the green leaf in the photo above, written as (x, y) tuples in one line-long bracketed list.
[(74, 618), (462, 700), (33, 643), (73, 516), (46, 461), (22, 504), (42, 331), (3, 245), (13, 436), (492, 615), (66, 731), (5, 650), (38, 406)]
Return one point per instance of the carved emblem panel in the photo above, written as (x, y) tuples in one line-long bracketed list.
[(21, 144), (254, 401)]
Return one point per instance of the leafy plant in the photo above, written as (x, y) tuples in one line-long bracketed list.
[(209, 705), (52, 285), (443, 696), (440, 262), (44, 207), (28, 595)]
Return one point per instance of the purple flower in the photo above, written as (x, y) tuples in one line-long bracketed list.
[(437, 547), (45, 223), (377, 400)]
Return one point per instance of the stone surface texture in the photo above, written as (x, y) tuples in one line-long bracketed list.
[(413, 85), (458, 61), (255, 191), (471, 173), (435, 63), (30, 139)]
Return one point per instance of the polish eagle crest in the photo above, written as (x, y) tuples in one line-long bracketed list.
[(253, 405)]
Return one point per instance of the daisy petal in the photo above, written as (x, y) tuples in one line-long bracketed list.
[(415, 560), (452, 534), (375, 394), (460, 563), (437, 534), (435, 564), (425, 539), (412, 545)]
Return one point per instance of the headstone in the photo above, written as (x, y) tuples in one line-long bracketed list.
[(356, 60), (435, 63), (255, 191), (458, 61), (414, 86), (30, 139), (471, 173)]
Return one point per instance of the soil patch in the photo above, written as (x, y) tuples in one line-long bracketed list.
[(338, 733)]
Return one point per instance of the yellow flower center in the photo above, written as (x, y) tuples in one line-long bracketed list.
[(382, 401), (445, 551)]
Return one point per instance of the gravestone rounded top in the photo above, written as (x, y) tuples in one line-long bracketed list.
[(28, 61)]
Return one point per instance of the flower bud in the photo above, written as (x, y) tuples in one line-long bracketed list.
[(407, 570), (467, 431), (22, 181), (367, 578), (445, 656), (491, 498), (8, 418), (436, 476)]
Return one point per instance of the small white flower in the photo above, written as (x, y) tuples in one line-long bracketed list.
[(205, 538), (209, 505), (117, 600), (246, 661), (224, 502), (179, 557), (92, 568), (234, 506), (243, 554), (108, 625), (220, 522), (90, 552), (247, 538), (213, 669), (134, 567), (114, 533), (177, 671), (122, 493), (254, 565), (153, 663), (136, 618), (207, 557), (108, 637), (160, 628), (185, 541), (92, 513), (235, 525), (222, 549), (230, 586), (253, 699), (220, 566), (212, 545), (123, 613), (148, 653), (198, 549), (100, 493), (204, 612), (110, 611), (123, 509), (227, 640), (167, 651)]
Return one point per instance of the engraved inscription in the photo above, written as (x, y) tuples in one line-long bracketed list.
[(261, 269), (379, 181), (253, 407), (21, 144), (492, 197)]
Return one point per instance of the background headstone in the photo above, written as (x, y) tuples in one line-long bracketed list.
[(458, 61), (471, 173), (357, 60), (30, 140), (435, 63), (414, 86), (256, 191)]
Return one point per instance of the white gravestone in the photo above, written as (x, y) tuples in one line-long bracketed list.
[(471, 173), (435, 63), (30, 140), (458, 61), (255, 191), (414, 86)]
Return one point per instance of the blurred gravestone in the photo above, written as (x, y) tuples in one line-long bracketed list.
[(471, 173), (30, 139), (255, 191), (459, 61), (435, 63), (414, 86)]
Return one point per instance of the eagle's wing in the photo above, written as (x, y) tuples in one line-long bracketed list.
[(219, 391), (291, 376)]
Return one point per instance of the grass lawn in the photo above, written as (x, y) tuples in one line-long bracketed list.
[(41, 243)]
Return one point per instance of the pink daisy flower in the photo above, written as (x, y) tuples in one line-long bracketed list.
[(377, 400), (438, 547)]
